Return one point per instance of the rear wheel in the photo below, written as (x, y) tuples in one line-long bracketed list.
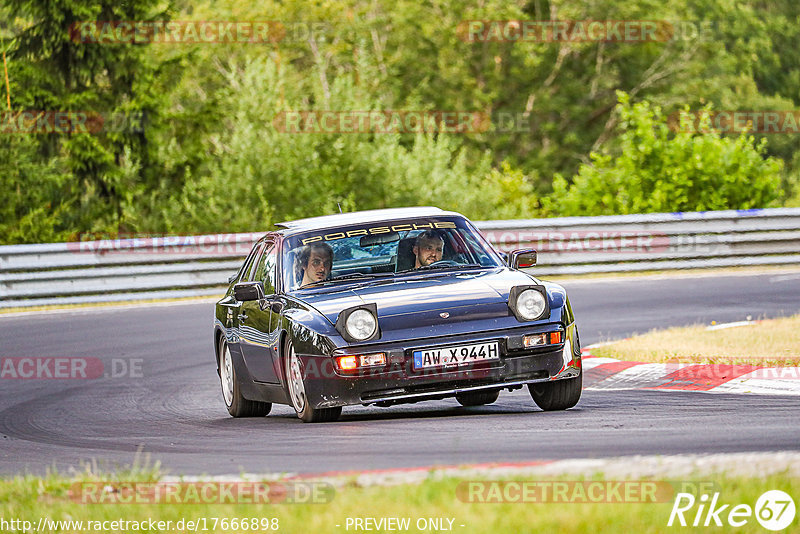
[(297, 391), (558, 394), (477, 398), (237, 405)]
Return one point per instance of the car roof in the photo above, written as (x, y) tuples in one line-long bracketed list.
[(357, 217)]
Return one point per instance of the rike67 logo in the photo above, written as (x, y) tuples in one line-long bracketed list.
[(774, 510)]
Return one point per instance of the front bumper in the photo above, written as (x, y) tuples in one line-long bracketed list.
[(398, 382)]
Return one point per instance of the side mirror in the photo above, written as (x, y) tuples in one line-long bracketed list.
[(521, 259), (244, 291)]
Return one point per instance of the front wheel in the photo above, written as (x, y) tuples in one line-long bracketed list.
[(558, 394), (297, 391), (237, 405)]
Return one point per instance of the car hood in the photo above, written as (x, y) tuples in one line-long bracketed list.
[(430, 299)]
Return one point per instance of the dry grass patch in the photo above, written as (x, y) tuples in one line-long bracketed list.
[(770, 343)]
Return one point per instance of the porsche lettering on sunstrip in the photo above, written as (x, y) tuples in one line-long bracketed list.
[(408, 227)]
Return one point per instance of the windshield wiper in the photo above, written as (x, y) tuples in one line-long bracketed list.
[(442, 266), (348, 277)]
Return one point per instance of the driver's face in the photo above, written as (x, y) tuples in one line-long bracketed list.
[(318, 268), (428, 251)]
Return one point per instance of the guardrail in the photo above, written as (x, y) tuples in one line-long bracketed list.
[(181, 266)]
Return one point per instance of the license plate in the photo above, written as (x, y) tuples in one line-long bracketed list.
[(458, 355)]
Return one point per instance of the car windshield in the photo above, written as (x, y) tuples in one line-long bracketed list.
[(385, 249)]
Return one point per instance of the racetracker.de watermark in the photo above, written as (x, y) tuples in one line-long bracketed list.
[(735, 121), (605, 240), (69, 368), (398, 367), (577, 31), (196, 31), (386, 121), (70, 122), (211, 492), (680, 372), (575, 491), (193, 245)]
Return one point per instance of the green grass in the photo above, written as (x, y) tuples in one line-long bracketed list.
[(31, 497)]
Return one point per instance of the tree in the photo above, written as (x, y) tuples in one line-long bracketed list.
[(53, 70)]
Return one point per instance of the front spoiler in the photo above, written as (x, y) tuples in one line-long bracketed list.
[(414, 397)]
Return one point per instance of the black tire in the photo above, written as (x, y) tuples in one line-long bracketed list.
[(477, 398), (295, 388), (558, 394), (237, 405)]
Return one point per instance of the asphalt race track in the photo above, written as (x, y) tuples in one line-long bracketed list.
[(170, 408)]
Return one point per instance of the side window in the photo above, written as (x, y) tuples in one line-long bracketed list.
[(265, 272), (476, 251), (248, 263), (251, 268)]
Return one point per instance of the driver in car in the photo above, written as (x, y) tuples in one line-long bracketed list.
[(314, 263), (428, 248)]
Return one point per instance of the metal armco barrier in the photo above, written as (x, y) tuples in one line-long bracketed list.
[(181, 266)]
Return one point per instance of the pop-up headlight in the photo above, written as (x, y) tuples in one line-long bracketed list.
[(528, 303), (359, 323)]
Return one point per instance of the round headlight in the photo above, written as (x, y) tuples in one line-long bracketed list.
[(530, 304), (361, 324)]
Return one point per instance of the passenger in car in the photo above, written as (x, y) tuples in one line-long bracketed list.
[(314, 263), (428, 248)]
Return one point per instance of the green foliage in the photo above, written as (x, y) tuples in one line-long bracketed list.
[(210, 160), (51, 71), (30, 210), (656, 171), (260, 174)]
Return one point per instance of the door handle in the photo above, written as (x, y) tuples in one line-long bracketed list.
[(243, 316)]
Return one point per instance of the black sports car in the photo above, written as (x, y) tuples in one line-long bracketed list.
[(386, 307)]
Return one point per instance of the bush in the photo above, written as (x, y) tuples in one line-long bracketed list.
[(657, 171)]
